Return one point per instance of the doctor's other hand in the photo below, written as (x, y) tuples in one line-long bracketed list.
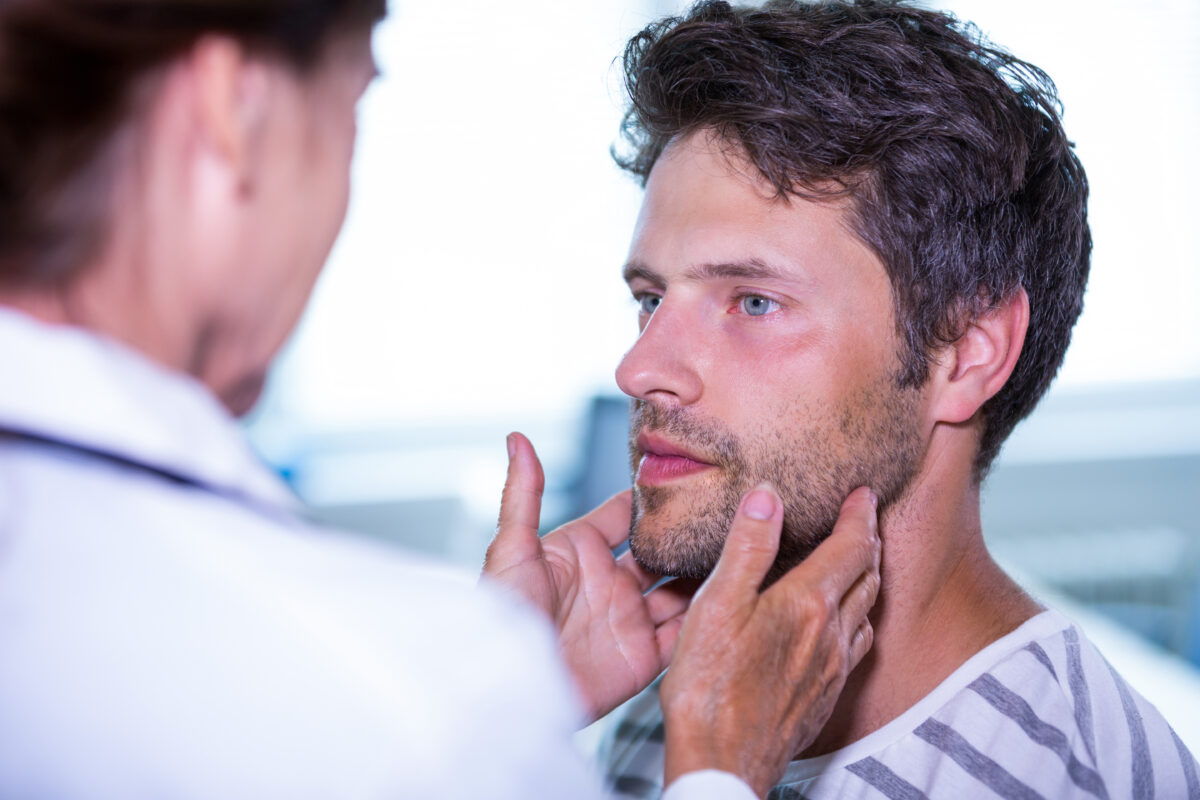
[(755, 675), (614, 638)]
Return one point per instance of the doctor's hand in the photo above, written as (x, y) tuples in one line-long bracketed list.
[(614, 639), (755, 675)]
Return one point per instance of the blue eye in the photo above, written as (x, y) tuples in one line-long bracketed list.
[(756, 305), (648, 302)]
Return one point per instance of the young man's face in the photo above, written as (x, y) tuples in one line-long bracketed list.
[(768, 351)]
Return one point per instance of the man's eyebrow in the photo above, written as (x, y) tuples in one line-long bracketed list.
[(751, 269), (636, 269)]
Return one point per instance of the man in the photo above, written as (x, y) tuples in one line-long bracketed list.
[(862, 248)]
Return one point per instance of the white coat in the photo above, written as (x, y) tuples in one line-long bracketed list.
[(172, 627)]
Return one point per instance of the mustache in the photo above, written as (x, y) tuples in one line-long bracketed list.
[(681, 425)]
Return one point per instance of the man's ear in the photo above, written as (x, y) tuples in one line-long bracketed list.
[(972, 369)]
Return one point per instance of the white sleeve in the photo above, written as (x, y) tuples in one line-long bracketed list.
[(709, 784)]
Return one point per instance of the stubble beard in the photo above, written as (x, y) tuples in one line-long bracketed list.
[(876, 444)]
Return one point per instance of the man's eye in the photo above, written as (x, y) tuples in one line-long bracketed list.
[(648, 302), (756, 305)]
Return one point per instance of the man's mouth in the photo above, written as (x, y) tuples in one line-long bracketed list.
[(664, 461)]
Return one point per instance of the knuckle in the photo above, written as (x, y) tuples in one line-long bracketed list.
[(868, 635), (834, 669), (813, 604), (872, 583), (864, 550), (828, 605), (874, 548)]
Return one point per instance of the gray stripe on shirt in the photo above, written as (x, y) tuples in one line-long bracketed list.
[(886, 782), (976, 764), (1143, 768), (1079, 691), (1015, 707), (638, 732), (1040, 655), (1189, 767)]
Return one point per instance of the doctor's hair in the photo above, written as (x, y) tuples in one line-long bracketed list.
[(72, 73), (950, 151)]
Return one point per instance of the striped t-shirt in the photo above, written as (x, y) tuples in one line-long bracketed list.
[(1038, 713)]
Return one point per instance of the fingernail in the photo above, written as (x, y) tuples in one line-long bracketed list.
[(511, 443), (760, 504), (874, 499)]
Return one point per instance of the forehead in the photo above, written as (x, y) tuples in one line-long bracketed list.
[(705, 204)]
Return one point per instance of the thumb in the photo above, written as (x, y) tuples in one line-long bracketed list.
[(516, 537), (751, 546)]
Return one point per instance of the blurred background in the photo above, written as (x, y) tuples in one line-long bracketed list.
[(476, 290)]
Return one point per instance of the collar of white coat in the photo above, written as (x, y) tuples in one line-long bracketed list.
[(71, 385)]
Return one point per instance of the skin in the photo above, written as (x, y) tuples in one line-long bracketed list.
[(790, 377), (235, 174), (721, 708), (735, 339)]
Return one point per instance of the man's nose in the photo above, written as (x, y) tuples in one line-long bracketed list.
[(661, 365)]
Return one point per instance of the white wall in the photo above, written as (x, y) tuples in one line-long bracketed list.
[(477, 278), (478, 274)]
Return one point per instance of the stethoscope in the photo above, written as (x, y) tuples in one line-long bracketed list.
[(165, 474)]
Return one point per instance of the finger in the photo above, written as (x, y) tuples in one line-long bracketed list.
[(861, 596), (611, 518), (850, 550), (750, 547), (644, 577), (516, 537), (858, 601), (670, 600), (860, 643), (665, 636)]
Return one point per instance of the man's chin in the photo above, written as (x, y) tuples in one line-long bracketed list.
[(672, 534), (668, 541), (670, 563)]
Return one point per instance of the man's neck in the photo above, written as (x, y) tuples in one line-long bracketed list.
[(942, 600)]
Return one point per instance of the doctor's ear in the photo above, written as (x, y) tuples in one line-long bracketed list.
[(231, 93), (975, 366)]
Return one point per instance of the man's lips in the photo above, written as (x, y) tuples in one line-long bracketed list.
[(664, 461)]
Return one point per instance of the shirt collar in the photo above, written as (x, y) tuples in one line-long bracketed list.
[(69, 384)]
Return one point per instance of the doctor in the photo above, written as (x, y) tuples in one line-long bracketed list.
[(172, 178)]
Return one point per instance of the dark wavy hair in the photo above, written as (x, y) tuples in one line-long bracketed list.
[(69, 75), (951, 151)]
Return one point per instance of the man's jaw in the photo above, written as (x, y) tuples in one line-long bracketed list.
[(661, 462)]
